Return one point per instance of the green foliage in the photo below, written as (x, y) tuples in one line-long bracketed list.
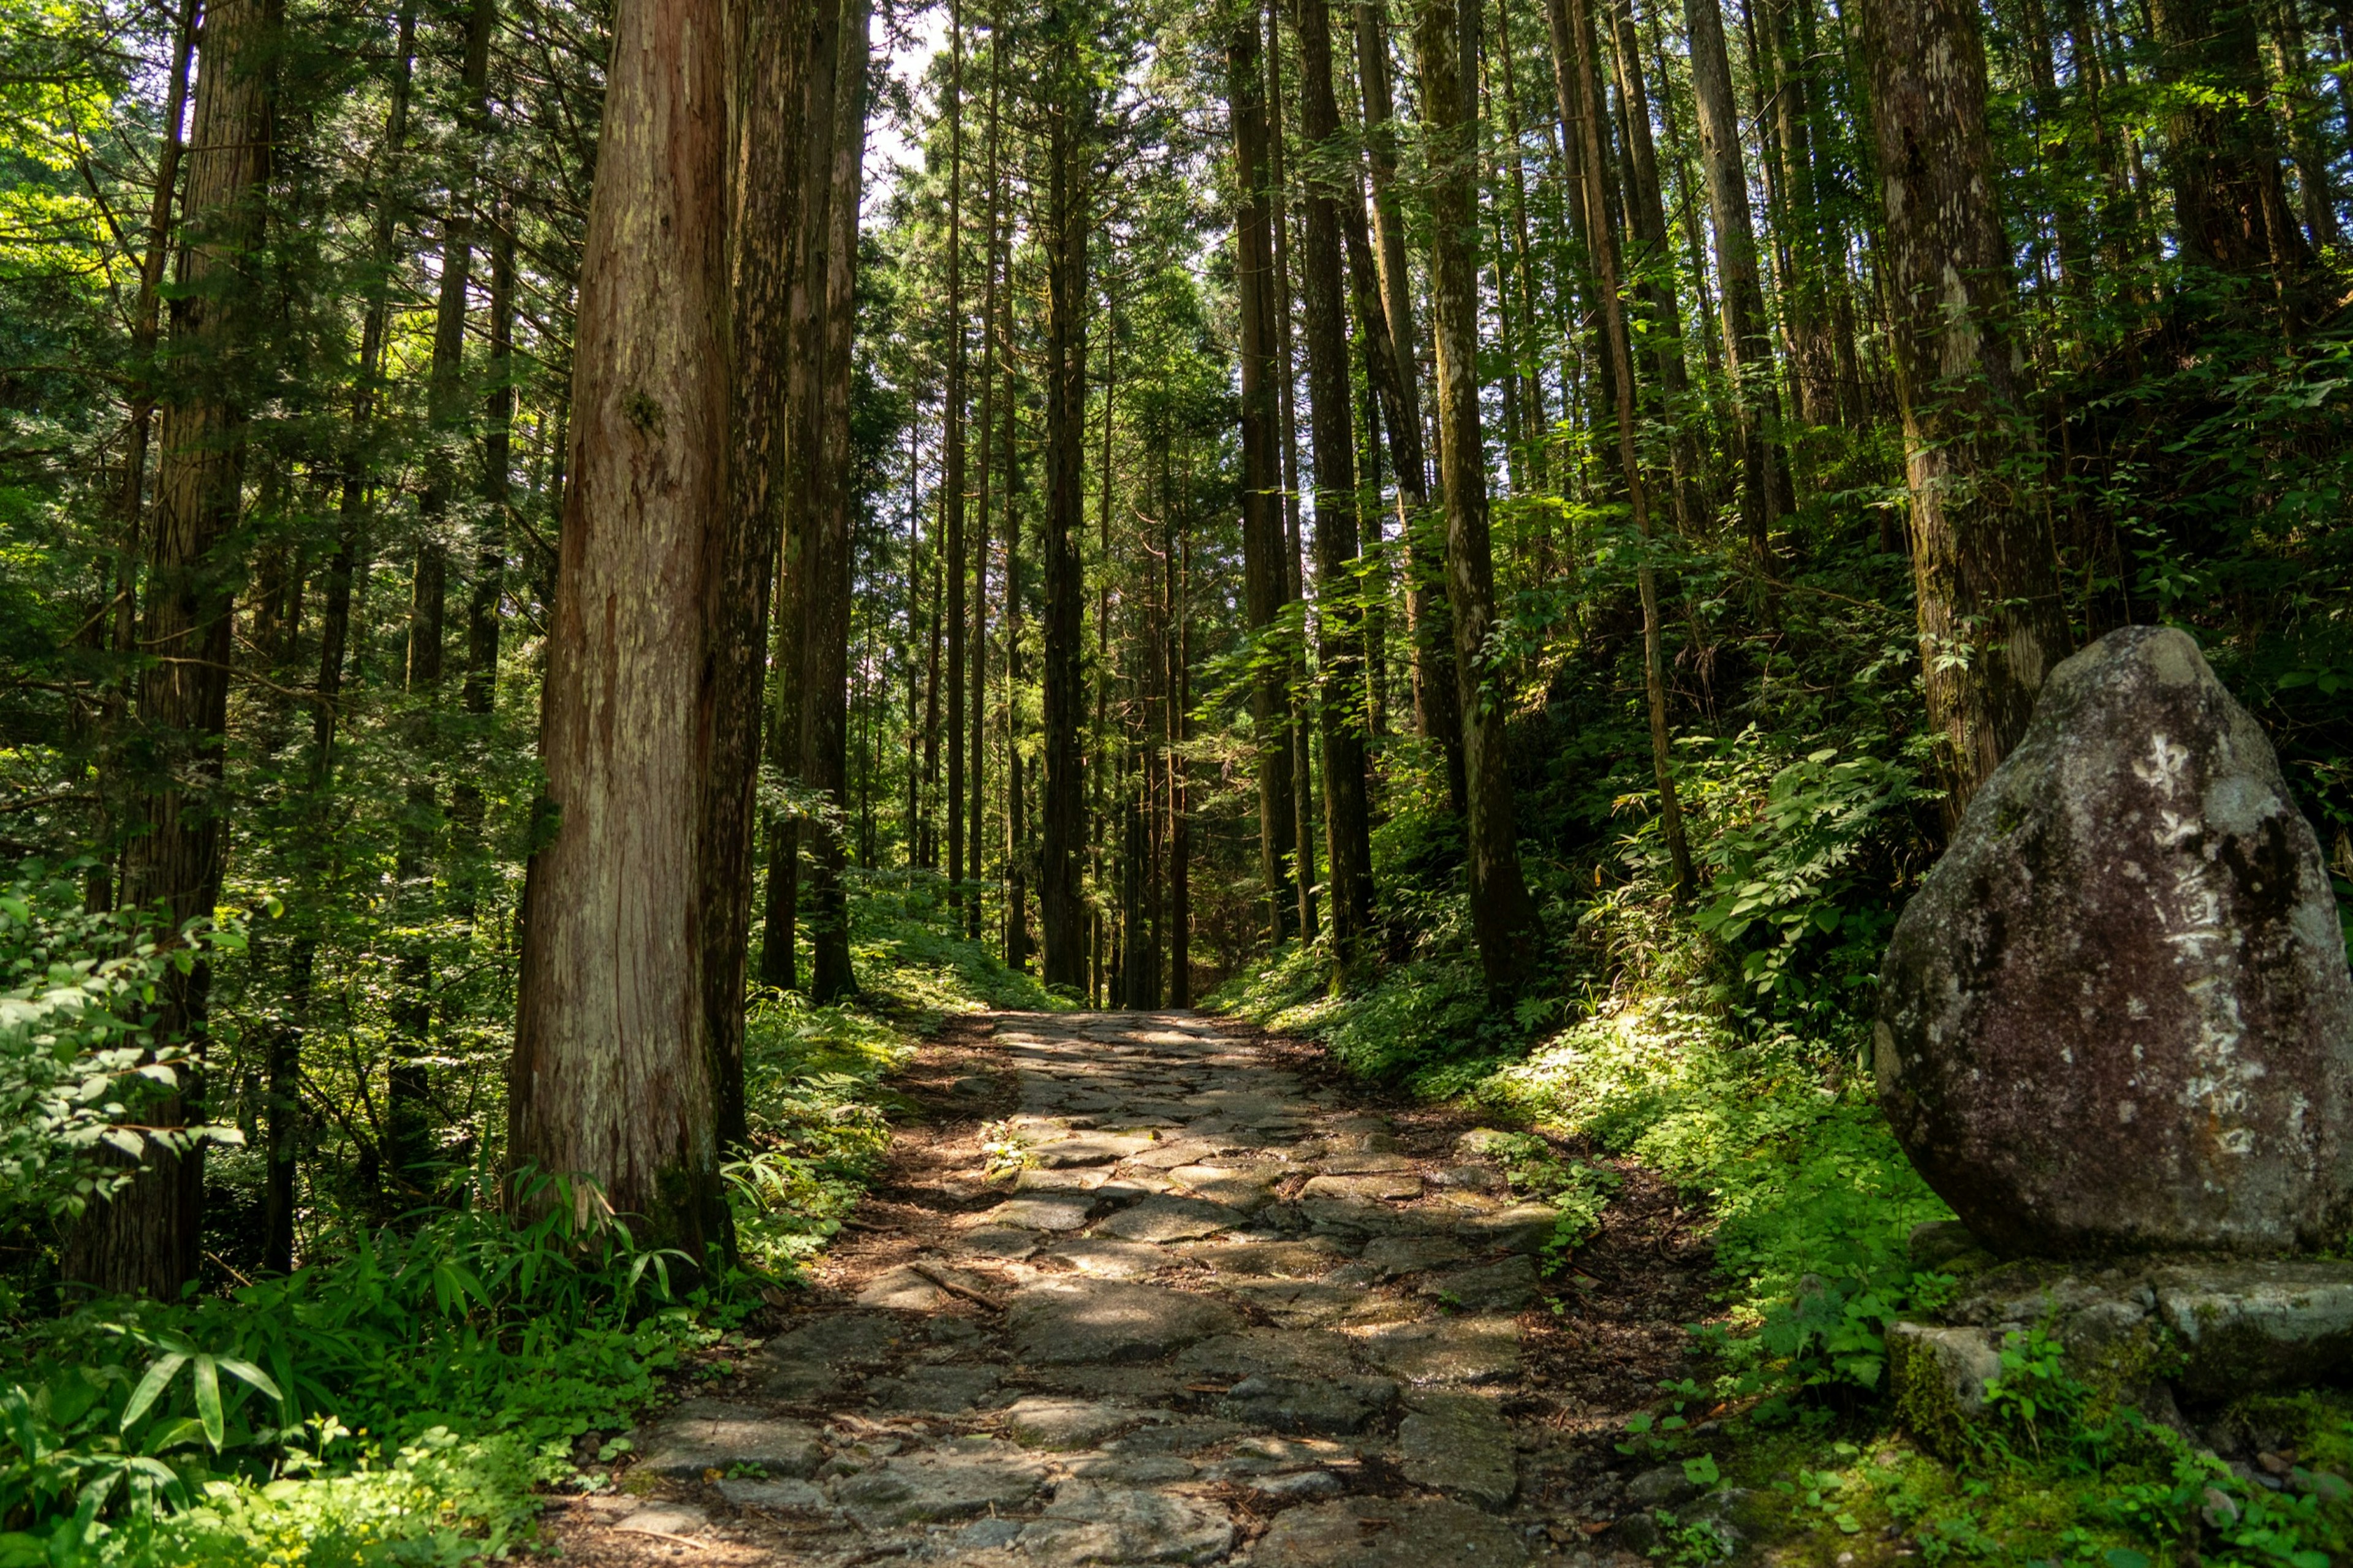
[(80, 1058), (1795, 872)]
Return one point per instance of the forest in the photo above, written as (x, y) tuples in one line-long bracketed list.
[(581, 579)]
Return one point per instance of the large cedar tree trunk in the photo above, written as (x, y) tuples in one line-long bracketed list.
[(611, 1078), (1991, 623)]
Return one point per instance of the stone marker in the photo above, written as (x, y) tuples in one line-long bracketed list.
[(2116, 1015)]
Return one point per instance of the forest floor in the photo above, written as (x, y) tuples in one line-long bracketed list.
[(1160, 1287)]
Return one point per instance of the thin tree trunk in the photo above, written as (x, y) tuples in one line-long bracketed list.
[(764, 200), (1263, 571), (989, 383), (1294, 586), (1613, 320), (1180, 817), (145, 1240), (1747, 348), (1991, 620), (1070, 144), (1651, 271), (1504, 917), (826, 555), (130, 498), (952, 455), (1437, 704), (1340, 696)]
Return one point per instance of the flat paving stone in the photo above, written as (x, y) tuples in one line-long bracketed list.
[(1335, 1406), (1388, 1532), (779, 1496), (1501, 1287), (998, 1242), (1104, 1149), (970, 1476), (1521, 1227), (664, 1518), (1411, 1254), (1109, 1258), (1044, 1421), (1267, 1259), (1109, 1321), (905, 1290), (1447, 1350), (1049, 1212), (1401, 1187), (1170, 1219), (944, 1390), (690, 1447), (1090, 1523), (1460, 1445)]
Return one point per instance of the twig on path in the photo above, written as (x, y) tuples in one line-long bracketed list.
[(854, 1224), (952, 1289)]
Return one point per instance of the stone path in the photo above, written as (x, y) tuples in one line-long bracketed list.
[(1174, 1303)]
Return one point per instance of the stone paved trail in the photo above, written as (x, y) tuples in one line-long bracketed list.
[(1162, 1295)]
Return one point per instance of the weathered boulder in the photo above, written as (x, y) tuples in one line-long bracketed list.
[(2117, 1016)]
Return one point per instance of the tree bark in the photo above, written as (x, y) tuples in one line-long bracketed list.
[(1621, 359), (1341, 693), (1504, 917), (1070, 147), (1756, 404), (952, 455), (1261, 477), (612, 1077), (1437, 704), (1991, 621), (766, 87), (145, 1240), (1293, 587)]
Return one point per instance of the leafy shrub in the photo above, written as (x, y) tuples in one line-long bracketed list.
[(79, 1055)]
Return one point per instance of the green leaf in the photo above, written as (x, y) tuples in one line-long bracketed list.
[(209, 1400), (162, 1373), (1848, 1524), (247, 1373), (2125, 1557), (1702, 1471)]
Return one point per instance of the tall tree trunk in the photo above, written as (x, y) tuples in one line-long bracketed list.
[(826, 553), (951, 455), (1747, 349), (131, 497), (806, 288), (765, 132), (1621, 359), (989, 383), (1179, 550), (1263, 572), (1573, 87), (1070, 147), (1991, 621), (1437, 704), (612, 1077), (145, 1240), (1504, 917), (1294, 588), (1652, 270), (1015, 859), (1341, 692)]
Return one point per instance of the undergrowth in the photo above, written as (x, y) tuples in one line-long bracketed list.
[(406, 1399)]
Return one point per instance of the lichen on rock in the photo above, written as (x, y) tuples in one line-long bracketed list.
[(2118, 1016)]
